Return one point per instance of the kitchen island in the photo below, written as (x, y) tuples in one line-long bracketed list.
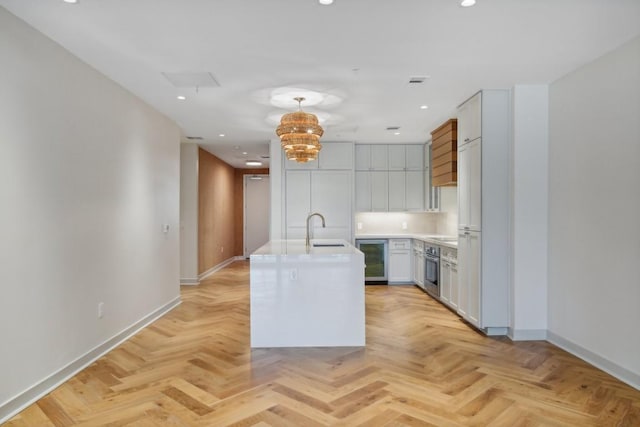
[(307, 297)]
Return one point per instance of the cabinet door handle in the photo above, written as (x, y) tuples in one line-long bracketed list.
[(466, 139)]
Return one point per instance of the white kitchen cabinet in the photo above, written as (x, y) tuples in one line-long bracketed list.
[(397, 185), (326, 192), (371, 157), (418, 262), (372, 192), (454, 287), (379, 157), (333, 155), (397, 157), (406, 191), (445, 281), (385, 189), (414, 157), (449, 277), (470, 280), (298, 197), (484, 135), (363, 191), (469, 119), (379, 191), (336, 155), (293, 165), (470, 185), (406, 157), (400, 261), (414, 190)]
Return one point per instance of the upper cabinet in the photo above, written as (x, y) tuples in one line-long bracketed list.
[(336, 155), (406, 157), (373, 157), (470, 119), (389, 177), (444, 154), (332, 156)]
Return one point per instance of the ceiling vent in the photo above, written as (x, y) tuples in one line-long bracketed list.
[(185, 80), (195, 138), (393, 127), (418, 79)]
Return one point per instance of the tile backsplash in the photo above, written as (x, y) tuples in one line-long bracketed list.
[(405, 223)]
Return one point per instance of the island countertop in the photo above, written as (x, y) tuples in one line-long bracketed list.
[(307, 299), (298, 247)]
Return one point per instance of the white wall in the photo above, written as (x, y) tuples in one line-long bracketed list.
[(88, 176), (529, 177), (277, 190), (594, 211), (189, 214)]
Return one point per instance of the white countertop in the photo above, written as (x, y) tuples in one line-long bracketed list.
[(298, 247), (431, 238)]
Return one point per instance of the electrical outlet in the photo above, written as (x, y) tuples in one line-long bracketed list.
[(359, 226), (404, 225), (221, 249), (100, 310)]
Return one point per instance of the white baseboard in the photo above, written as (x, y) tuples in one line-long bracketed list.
[(527, 334), (623, 374), (18, 403), (187, 281), (219, 267)]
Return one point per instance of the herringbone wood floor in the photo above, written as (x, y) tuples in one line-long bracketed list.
[(422, 366)]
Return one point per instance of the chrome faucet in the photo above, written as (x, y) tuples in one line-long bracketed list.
[(307, 242)]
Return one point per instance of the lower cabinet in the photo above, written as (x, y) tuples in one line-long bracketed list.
[(400, 261), (449, 277), (469, 276), (418, 263)]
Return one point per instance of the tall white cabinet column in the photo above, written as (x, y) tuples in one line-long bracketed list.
[(484, 129), (324, 186)]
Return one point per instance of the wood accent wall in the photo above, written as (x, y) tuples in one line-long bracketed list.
[(238, 206), (444, 154), (216, 219)]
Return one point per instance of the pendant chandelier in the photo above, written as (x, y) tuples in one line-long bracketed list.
[(300, 134)]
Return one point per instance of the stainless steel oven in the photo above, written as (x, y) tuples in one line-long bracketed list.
[(432, 270)]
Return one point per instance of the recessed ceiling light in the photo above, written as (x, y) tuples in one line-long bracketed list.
[(424, 107), (221, 135), (245, 153), (325, 2), (253, 163), (71, 1), (181, 97), (396, 133), (467, 3)]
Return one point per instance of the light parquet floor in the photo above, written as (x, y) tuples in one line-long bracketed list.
[(422, 366)]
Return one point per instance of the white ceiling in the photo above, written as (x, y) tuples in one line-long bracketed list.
[(363, 51)]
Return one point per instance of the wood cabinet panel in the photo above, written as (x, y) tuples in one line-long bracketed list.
[(444, 159)]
